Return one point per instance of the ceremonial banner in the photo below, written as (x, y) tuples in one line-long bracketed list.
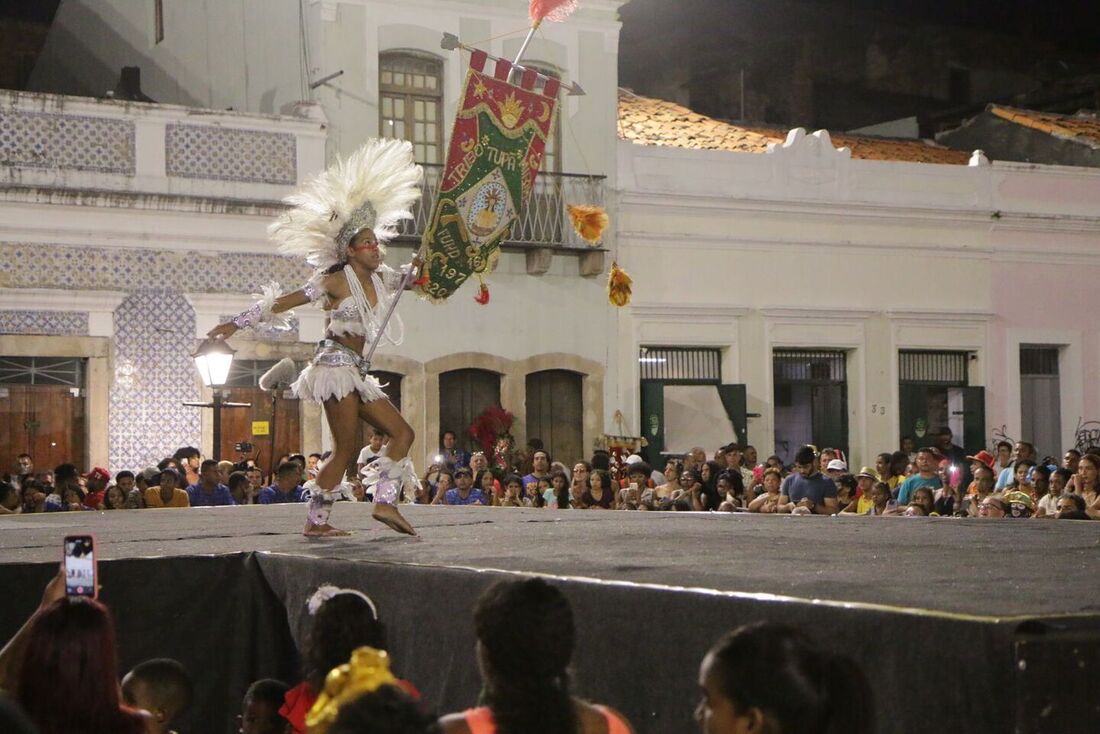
[(496, 150)]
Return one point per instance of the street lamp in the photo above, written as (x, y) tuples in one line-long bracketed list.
[(213, 359)]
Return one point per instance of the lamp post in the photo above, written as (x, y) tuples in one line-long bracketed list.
[(213, 360)]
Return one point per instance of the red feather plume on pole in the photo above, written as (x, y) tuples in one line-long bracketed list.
[(553, 10)]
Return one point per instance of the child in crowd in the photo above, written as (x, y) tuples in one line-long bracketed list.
[(387, 710), (731, 489), (882, 500), (769, 501), (925, 500), (845, 490), (530, 497), (511, 494), (163, 688), (1048, 503), (260, 708), (546, 489), (637, 481), (860, 500), (560, 483)]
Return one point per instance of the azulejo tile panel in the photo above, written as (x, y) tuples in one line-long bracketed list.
[(125, 269), (154, 330), (202, 151), (78, 142), (52, 323)]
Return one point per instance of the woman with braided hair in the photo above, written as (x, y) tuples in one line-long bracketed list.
[(338, 223), (525, 674)]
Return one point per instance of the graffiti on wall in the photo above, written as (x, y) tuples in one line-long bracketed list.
[(999, 435), (1087, 436)]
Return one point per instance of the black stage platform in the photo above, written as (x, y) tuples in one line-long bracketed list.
[(961, 625)]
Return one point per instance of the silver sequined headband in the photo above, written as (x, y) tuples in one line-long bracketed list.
[(362, 218)]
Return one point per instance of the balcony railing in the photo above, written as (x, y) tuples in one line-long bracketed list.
[(544, 222)]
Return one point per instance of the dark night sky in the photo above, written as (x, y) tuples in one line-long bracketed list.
[(810, 61), (1075, 23), (39, 11)]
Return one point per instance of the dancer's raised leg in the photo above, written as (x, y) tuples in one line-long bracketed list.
[(382, 415)]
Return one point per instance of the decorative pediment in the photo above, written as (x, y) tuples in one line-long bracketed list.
[(818, 145), (810, 159)]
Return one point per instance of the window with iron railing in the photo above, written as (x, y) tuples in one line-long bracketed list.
[(543, 221)]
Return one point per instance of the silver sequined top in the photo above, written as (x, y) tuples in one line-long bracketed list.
[(343, 320)]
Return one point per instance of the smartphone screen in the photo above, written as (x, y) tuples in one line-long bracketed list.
[(80, 568)]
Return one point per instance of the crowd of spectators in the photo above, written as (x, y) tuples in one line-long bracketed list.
[(938, 480), (59, 675)]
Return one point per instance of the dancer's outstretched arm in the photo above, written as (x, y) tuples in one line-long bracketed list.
[(268, 305)]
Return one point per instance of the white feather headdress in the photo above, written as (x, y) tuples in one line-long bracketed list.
[(374, 188)]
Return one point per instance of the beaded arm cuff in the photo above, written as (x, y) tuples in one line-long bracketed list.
[(250, 316), (263, 311)]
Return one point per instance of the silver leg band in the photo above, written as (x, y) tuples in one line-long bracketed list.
[(320, 507)]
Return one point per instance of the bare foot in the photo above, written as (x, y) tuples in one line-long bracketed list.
[(322, 531), (391, 516)]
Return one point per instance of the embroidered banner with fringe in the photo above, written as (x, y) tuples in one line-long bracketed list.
[(495, 153)]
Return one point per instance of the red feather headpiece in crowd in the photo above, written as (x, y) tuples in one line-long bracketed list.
[(489, 426)]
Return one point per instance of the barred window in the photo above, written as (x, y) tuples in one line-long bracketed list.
[(686, 365), (933, 368), (411, 102), (799, 365)]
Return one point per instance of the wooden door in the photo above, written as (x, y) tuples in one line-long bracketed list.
[(237, 426), (555, 414), (45, 421), (463, 396)]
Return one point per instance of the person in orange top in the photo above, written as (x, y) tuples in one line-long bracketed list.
[(526, 678), (168, 493)]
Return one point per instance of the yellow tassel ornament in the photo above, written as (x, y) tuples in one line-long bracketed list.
[(618, 286)]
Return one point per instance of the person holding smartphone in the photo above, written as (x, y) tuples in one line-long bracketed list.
[(35, 664)]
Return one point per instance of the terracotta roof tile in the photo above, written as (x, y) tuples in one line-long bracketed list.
[(1080, 128), (648, 121)]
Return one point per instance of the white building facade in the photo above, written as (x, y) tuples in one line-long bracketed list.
[(798, 295), (859, 301)]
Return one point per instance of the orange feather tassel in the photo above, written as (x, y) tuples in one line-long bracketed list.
[(589, 221), (618, 286)]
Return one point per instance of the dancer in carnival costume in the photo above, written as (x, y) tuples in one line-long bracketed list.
[(338, 223)]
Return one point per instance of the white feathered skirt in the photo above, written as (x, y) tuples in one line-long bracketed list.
[(336, 371)]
